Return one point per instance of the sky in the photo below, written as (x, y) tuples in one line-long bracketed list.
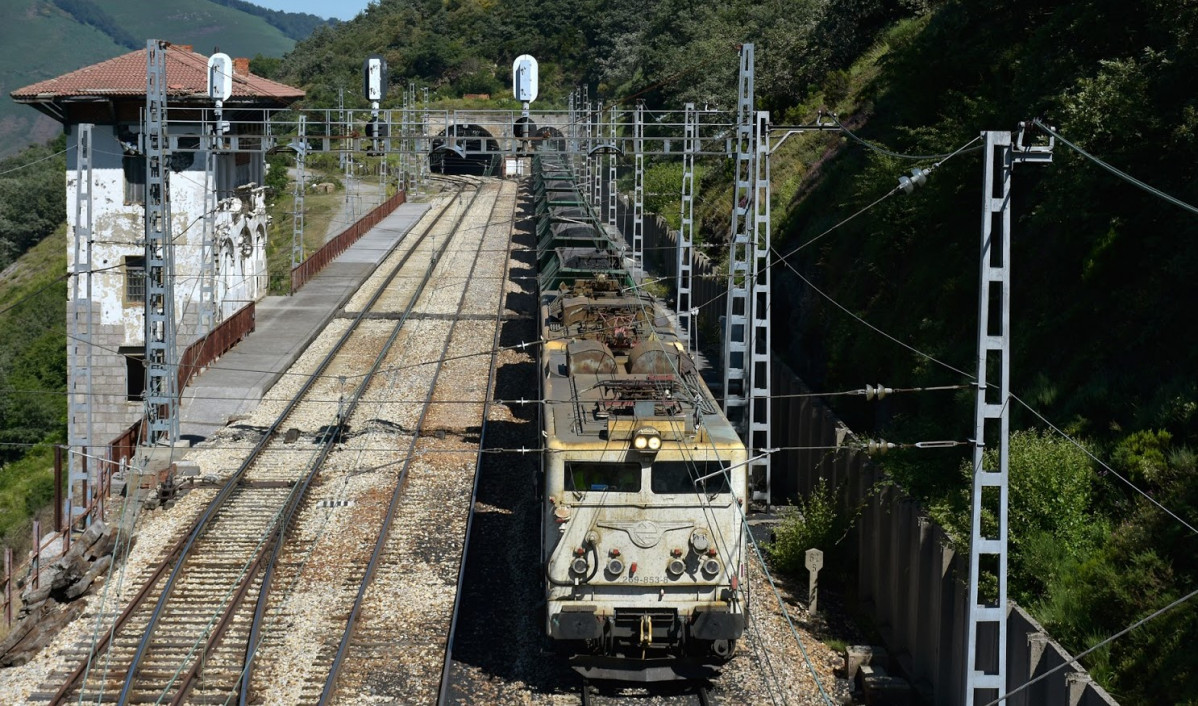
[(341, 9)]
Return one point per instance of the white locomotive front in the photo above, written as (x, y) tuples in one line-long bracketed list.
[(643, 537)]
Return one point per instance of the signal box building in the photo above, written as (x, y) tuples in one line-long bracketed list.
[(111, 95)]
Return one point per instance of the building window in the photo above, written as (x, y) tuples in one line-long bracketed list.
[(135, 372), (135, 280), (135, 179)]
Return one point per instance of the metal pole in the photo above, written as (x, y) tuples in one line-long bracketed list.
[(597, 173), (736, 321), (986, 659), (612, 160), (760, 339), (208, 310), (586, 154), (297, 194), (991, 416), (58, 487)]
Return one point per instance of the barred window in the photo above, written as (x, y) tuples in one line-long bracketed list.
[(135, 279)]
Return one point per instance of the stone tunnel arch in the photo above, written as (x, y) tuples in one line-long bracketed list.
[(480, 152)]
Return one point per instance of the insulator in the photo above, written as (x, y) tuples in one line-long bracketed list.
[(878, 447), (918, 178), (877, 392)]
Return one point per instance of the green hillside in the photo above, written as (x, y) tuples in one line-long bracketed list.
[(41, 39), (1103, 273), (33, 40)]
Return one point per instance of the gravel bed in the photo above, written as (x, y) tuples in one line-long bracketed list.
[(156, 532), (217, 458), (500, 652), (376, 279), (334, 538)]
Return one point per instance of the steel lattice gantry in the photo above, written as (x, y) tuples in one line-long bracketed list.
[(686, 234), (986, 659), (746, 322), (80, 342), (161, 356)]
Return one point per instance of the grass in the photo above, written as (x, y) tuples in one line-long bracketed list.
[(200, 23), (34, 289), (319, 212)]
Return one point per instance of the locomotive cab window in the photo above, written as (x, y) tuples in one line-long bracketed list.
[(667, 477), (610, 477)]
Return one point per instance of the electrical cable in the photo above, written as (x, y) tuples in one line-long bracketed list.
[(1105, 642), (36, 161), (1117, 172), (882, 150)]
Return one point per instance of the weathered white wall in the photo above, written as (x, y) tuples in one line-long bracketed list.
[(119, 232)]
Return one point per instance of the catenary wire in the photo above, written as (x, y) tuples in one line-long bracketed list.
[(1117, 172)]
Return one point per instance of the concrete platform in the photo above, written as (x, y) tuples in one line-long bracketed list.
[(285, 325)]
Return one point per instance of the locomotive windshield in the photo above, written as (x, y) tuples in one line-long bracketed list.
[(679, 477), (610, 477)]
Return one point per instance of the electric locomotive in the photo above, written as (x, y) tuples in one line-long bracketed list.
[(643, 478)]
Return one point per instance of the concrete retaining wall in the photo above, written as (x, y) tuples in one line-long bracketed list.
[(910, 579)]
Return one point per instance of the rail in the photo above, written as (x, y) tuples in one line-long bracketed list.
[(328, 252), (120, 450)]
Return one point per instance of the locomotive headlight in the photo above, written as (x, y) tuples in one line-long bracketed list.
[(711, 566), (700, 541), (615, 566), (676, 566), (646, 439), (579, 565)]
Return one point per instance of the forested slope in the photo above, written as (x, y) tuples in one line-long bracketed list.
[(1103, 286), (1103, 272)]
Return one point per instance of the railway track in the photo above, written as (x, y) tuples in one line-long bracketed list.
[(394, 648), (183, 637)]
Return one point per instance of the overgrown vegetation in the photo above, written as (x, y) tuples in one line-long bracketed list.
[(816, 522), (1102, 273), (32, 383), (1100, 285), (32, 198)]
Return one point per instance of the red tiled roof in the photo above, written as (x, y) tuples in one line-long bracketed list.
[(125, 75)]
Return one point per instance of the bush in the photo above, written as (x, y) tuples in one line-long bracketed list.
[(814, 523), (1049, 509)]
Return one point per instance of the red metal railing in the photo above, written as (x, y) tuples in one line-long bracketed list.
[(120, 450), (218, 341), (197, 356), (328, 252)]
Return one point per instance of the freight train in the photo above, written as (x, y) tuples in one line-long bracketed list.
[(643, 479)]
